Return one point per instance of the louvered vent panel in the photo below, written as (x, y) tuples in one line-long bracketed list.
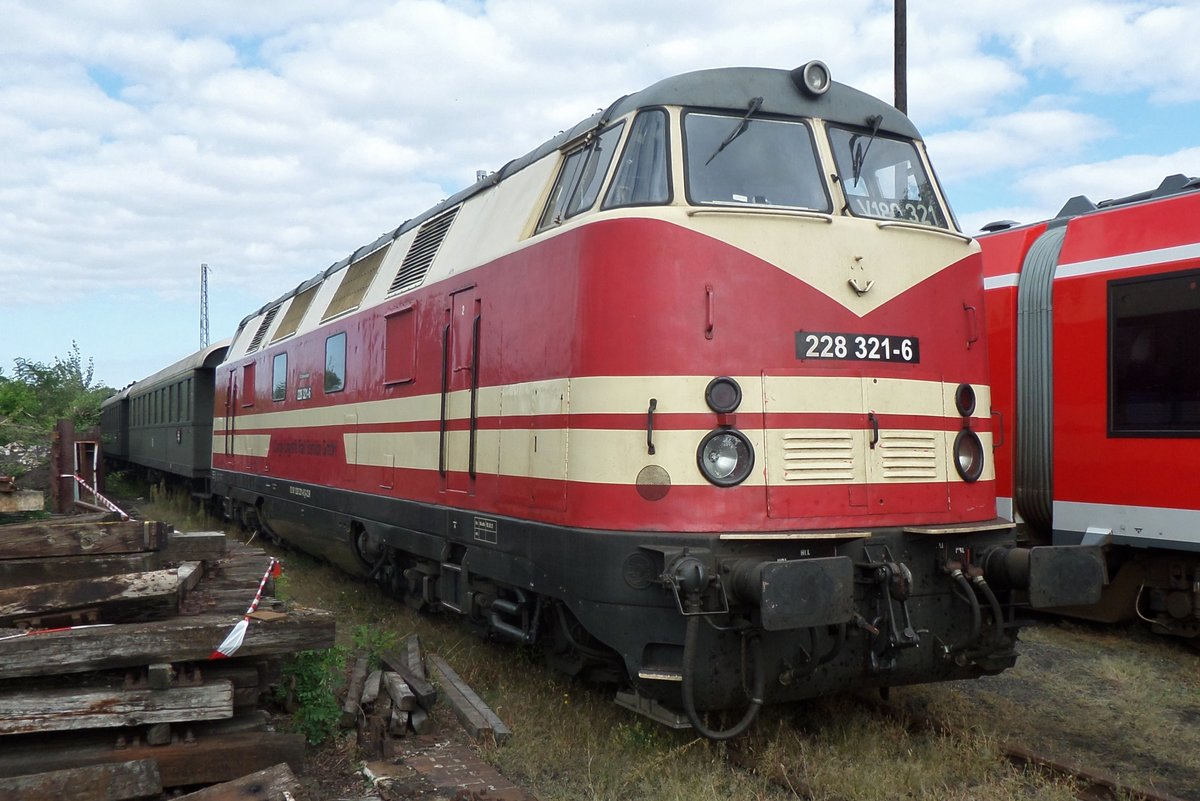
[(909, 455), (355, 282), (422, 251), (817, 457), (295, 313), (268, 318)]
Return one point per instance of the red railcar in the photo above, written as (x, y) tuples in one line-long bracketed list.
[(695, 395), (1090, 323)]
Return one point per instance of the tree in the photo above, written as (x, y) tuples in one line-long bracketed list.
[(38, 394)]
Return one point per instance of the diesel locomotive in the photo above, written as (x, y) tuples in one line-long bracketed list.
[(694, 396), (1090, 319)]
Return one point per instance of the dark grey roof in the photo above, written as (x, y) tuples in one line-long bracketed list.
[(729, 88)]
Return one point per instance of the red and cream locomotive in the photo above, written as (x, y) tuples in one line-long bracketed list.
[(694, 395), (1090, 317)]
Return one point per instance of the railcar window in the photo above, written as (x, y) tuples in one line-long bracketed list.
[(643, 173), (581, 177), (1154, 387), (770, 163), (279, 377), (884, 178), (335, 363)]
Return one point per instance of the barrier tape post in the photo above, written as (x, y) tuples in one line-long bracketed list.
[(233, 640)]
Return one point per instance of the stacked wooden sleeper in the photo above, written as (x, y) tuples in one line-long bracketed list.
[(107, 630)]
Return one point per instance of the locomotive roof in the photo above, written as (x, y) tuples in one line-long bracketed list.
[(728, 88)]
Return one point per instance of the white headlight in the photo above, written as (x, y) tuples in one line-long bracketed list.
[(968, 455), (725, 457)]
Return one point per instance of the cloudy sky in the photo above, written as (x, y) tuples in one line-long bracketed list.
[(139, 138)]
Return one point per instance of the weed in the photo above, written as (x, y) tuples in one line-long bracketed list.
[(374, 641), (309, 686)]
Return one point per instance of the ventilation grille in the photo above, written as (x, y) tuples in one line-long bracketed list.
[(817, 457), (909, 456), (355, 282), (295, 313), (420, 255), (268, 318)]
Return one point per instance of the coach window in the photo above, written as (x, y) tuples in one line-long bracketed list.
[(279, 377), (248, 384), (884, 178), (643, 175), (581, 177), (738, 161), (400, 347), (335, 363), (1154, 387)]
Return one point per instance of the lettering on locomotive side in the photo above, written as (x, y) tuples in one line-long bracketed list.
[(486, 530), (302, 492), (298, 446)]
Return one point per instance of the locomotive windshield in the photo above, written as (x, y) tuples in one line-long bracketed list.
[(766, 163), (884, 178)]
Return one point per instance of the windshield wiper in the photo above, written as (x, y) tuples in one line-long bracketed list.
[(858, 154), (739, 129)]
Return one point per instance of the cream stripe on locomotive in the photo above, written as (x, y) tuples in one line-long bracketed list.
[(631, 394), (799, 456)]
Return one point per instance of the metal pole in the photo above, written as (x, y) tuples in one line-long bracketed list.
[(203, 305), (901, 64)]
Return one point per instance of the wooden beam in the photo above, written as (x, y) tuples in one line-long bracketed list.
[(354, 691), (29, 712), (116, 782), (22, 501), (47, 538), (206, 546), (20, 572), (180, 639), (426, 694), (275, 783), (416, 659), (154, 593), (402, 695), (476, 717), (203, 760)]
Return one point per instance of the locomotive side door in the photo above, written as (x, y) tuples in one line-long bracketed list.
[(230, 410), (460, 386)]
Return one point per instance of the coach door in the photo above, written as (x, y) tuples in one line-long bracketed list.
[(460, 388)]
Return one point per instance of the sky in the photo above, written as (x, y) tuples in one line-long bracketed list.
[(141, 138)]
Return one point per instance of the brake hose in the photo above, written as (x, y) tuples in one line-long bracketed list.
[(689, 702), (993, 602), (976, 615)]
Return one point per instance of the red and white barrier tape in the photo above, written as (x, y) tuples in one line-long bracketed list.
[(31, 632), (105, 502), (233, 640)]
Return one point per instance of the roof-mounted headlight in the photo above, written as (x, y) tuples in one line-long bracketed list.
[(813, 78)]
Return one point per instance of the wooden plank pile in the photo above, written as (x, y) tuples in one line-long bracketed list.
[(398, 699), (108, 683)]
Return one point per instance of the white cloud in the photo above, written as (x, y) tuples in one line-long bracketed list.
[(1014, 141), (1114, 178)]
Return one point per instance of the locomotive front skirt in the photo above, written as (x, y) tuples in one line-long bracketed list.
[(694, 396)]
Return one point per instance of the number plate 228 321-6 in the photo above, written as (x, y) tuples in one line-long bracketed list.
[(857, 347)]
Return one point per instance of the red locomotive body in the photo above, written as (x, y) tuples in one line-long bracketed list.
[(1090, 317), (714, 355)]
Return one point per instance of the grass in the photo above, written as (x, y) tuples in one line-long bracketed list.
[(1111, 699)]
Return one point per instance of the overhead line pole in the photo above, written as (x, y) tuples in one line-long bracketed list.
[(901, 50), (203, 306)]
